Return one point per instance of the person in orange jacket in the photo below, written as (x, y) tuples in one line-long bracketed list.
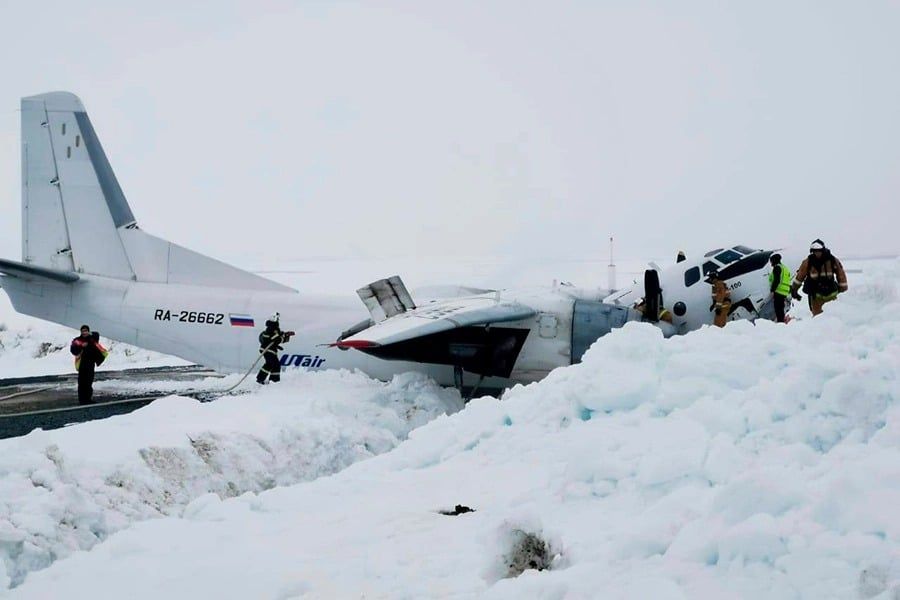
[(721, 300), (89, 353), (822, 276)]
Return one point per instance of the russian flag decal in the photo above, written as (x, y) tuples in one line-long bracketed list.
[(240, 320)]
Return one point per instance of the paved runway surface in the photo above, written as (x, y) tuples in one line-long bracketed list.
[(51, 401)]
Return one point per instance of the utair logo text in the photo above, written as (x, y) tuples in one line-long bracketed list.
[(301, 360)]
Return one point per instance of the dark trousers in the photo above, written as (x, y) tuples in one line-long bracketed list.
[(271, 369), (779, 307), (85, 384)]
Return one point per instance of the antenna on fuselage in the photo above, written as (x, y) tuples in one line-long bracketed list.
[(611, 269)]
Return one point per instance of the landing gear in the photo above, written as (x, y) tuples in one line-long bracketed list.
[(458, 383), (458, 377), (474, 390)]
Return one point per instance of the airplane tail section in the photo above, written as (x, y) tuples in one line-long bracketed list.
[(71, 201), (76, 217)]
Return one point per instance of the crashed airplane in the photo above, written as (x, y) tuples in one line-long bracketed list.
[(85, 260)]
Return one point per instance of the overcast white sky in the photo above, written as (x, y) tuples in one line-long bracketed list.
[(476, 128)]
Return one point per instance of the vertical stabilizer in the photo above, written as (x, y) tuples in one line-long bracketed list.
[(72, 204), (75, 216)]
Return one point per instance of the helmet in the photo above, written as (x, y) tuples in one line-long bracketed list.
[(775, 258), (817, 245)]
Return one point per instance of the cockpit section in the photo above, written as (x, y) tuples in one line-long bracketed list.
[(753, 262), (718, 260)]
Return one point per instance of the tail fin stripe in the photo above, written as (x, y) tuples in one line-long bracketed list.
[(115, 199)]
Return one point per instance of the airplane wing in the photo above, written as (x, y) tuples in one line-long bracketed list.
[(34, 273), (435, 318)]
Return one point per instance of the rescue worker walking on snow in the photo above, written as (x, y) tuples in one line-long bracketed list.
[(270, 342), (721, 300), (89, 353), (822, 276), (779, 286)]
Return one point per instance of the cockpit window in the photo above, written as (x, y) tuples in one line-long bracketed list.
[(729, 256), (753, 262), (744, 249), (691, 276), (708, 267), (713, 252)]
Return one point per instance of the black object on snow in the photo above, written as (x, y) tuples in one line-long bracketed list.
[(458, 510)]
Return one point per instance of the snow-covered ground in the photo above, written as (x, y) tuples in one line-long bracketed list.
[(68, 489), (751, 462)]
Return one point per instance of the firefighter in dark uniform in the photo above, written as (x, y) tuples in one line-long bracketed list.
[(822, 276), (89, 353), (270, 342)]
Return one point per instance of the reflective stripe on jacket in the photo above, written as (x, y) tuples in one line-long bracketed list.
[(813, 273), (270, 341)]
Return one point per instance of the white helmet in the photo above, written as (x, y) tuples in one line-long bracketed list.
[(817, 245)]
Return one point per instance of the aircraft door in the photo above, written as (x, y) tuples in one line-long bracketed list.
[(592, 320)]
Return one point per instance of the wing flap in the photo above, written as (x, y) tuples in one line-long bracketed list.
[(35, 273), (435, 318)]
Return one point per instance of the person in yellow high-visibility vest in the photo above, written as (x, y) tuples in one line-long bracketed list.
[(779, 285)]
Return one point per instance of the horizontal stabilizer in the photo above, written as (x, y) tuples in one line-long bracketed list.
[(34, 273), (435, 318)]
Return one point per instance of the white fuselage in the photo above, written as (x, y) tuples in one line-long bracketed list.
[(210, 326), (194, 323)]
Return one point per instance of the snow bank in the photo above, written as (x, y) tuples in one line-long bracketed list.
[(68, 489), (751, 462)]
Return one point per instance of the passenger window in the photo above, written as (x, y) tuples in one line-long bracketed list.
[(729, 256), (77, 140), (713, 252), (709, 266), (691, 276), (64, 129), (68, 151)]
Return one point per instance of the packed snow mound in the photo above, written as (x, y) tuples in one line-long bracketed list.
[(68, 489), (749, 462)]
